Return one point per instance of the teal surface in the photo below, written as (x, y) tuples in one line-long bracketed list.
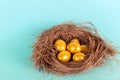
[(22, 20)]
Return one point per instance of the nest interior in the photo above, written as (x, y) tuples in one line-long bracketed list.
[(44, 52)]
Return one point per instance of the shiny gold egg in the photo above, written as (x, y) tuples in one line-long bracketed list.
[(84, 48), (74, 47), (60, 45), (78, 56), (75, 40), (64, 56)]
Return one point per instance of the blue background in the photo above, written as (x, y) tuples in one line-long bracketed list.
[(22, 20)]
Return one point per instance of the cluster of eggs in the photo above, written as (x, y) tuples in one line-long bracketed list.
[(71, 51)]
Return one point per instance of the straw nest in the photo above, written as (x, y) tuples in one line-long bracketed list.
[(44, 52)]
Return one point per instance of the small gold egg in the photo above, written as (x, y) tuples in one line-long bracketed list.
[(74, 47), (75, 40), (84, 48), (60, 45), (78, 56), (64, 56)]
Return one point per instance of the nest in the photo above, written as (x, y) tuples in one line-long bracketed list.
[(44, 52)]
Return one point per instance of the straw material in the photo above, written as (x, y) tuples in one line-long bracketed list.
[(45, 54)]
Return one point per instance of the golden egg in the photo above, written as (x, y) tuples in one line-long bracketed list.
[(64, 56), (84, 48), (78, 56), (74, 47), (75, 40), (60, 45)]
